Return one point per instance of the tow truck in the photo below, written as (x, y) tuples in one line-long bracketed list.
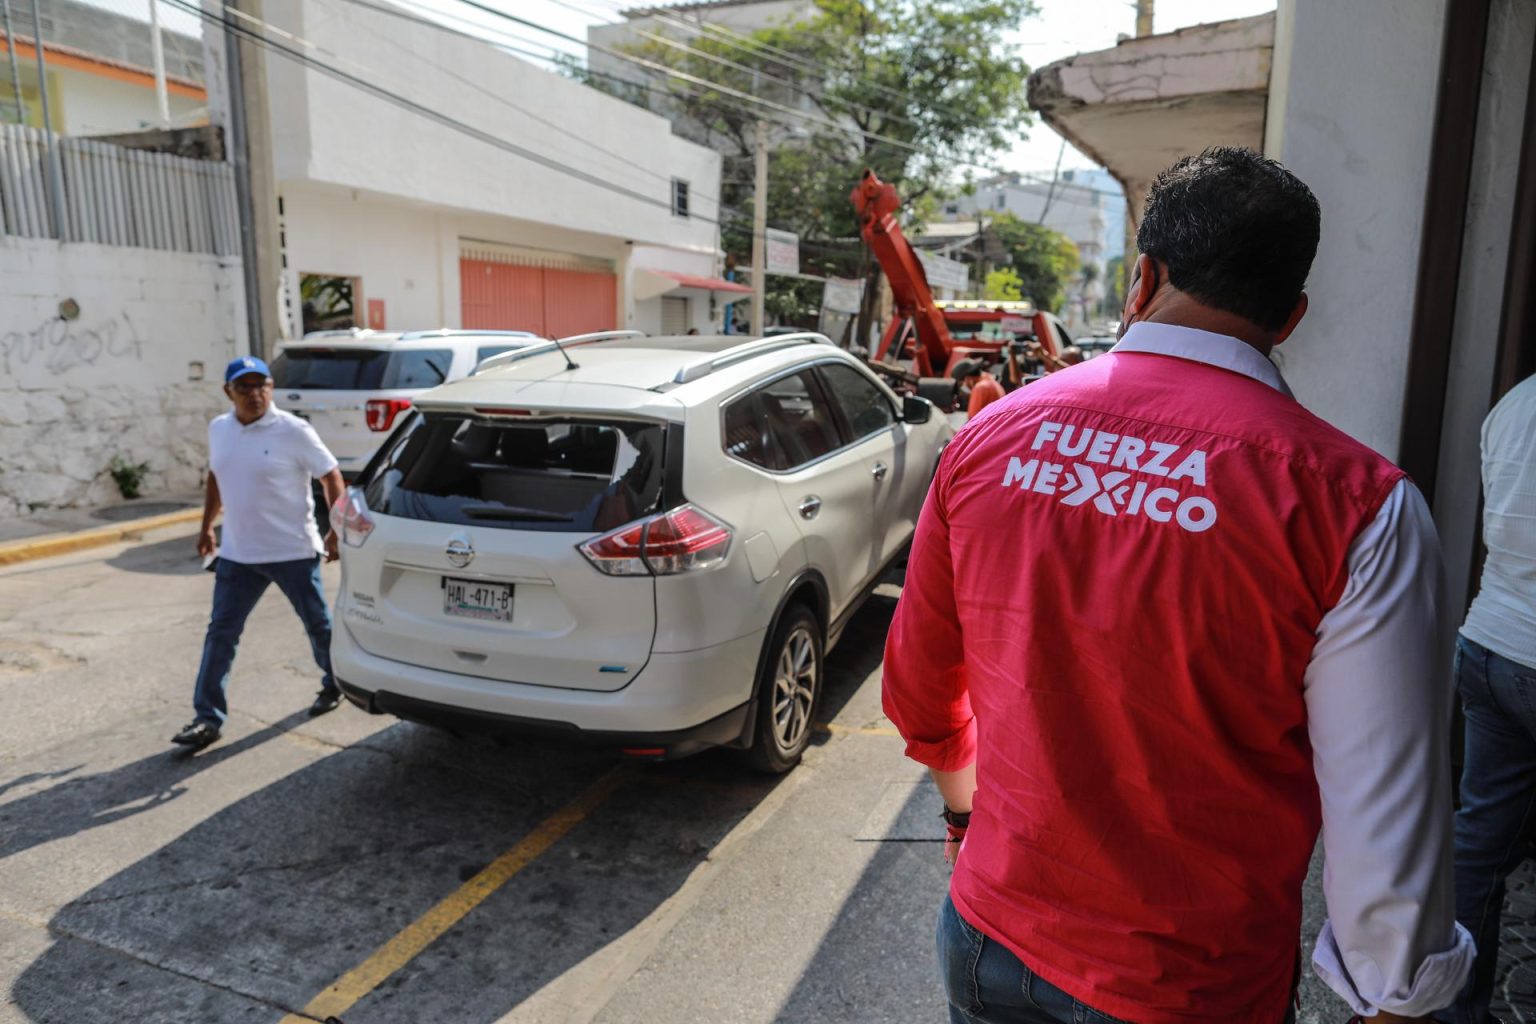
[(927, 337)]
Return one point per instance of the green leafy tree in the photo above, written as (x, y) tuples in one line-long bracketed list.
[(1045, 261), (1004, 286), (917, 90), (1114, 285)]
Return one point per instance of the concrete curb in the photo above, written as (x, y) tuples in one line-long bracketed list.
[(64, 543)]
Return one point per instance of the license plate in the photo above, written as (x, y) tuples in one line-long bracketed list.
[(477, 599)]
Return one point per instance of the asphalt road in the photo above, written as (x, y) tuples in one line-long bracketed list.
[(384, 872)]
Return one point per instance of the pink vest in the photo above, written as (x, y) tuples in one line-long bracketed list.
[(1143, 549)]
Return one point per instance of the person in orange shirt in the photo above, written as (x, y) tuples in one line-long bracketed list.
[(983, 387)]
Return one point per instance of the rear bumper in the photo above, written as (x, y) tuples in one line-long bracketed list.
[(720, 731), (680, 702)]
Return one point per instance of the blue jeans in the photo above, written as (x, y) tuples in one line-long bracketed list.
[(986, 983), (237, 588), (1498, 794)]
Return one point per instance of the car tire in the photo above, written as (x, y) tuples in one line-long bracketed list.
[(789, 689)]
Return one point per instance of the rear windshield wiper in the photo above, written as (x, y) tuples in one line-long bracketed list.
[(509, 512)]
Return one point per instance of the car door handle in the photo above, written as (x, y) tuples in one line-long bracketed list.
[(809, 506), (880, 470)]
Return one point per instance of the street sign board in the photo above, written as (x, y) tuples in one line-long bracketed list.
[(782, 251), (842, 295), (943, 272)]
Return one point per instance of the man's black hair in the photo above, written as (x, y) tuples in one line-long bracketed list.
[(1236, 230)]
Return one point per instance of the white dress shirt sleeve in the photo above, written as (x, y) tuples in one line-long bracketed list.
[(1379, 695)]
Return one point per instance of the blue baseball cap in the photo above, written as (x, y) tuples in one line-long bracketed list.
[(244, 365)]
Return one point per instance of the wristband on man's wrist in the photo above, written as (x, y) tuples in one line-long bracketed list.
[(956, 819)]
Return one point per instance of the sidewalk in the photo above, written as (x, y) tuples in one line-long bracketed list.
[(60, 531), (71, 520)]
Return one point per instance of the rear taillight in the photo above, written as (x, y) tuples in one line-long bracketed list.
[(682, 540), (382, 412), (350, 518)]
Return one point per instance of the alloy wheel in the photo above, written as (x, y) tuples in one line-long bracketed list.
[(795, 681)]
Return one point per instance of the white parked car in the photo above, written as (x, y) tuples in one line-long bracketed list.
[(651, 547), (353, 385)]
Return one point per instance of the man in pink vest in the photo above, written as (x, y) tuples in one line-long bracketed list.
[(1220, 633)]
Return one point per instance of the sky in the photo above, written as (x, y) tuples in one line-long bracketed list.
[(1060, 29)]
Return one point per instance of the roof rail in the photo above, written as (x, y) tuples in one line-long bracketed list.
[(747, 350), (457, 332), (575, 340), (343, 332), (585, 339)]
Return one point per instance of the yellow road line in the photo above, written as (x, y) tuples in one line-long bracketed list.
[(845, 730), (64, 543), (426, 929)]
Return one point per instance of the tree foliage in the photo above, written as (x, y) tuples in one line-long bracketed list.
[(1045, 261), (918, 90), (1003, 285)]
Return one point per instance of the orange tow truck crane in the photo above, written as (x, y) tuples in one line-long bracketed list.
[(935, 335)]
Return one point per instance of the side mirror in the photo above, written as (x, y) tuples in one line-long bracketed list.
[(916, 410)]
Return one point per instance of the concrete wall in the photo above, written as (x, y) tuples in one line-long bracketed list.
[(347, 138), (1361, 141), (116, 381)]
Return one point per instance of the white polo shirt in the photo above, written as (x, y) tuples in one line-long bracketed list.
[(263, 472)]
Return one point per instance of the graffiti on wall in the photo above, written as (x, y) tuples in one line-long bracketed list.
[(58, 345)]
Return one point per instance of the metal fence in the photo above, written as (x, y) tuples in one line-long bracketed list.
[(116, 196)]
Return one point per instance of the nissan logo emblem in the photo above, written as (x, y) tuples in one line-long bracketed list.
[(460, 552)]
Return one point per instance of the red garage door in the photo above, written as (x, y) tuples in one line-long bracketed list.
[(502, 291)]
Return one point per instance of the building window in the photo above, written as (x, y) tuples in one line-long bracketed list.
[(950, 209), (679, 197), (1002, 201)]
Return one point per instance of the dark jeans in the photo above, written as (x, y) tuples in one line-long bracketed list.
[(986, 983), (1498, 793), (236, 590)]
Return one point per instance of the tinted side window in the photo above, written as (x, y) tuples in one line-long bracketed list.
[(747, 433), (865, 407), (798, 418), (418, 368)]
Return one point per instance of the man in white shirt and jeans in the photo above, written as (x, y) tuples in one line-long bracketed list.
[(260, 462), (1496, 674)]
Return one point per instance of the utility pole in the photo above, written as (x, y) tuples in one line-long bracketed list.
[(760, 230), (157, 47), (250, 152), (1143, 18), (55, 174)]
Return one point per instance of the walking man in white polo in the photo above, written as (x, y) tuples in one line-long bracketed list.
[(260, 462)]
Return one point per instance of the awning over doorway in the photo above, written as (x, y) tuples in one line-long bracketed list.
[(651, 283), (1140, 106)]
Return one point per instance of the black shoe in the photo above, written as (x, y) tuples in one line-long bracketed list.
[(325, 700), (196, 735)]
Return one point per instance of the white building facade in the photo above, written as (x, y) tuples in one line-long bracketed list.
[(523, 201)]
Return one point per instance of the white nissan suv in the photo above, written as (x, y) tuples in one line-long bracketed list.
[(644, 542)]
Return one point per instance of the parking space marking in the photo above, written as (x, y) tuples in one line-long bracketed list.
[(427, 928)]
